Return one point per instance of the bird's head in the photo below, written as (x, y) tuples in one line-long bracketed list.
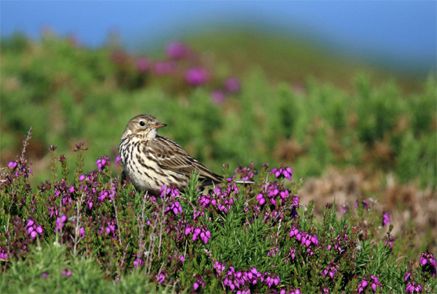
[(143, 125)]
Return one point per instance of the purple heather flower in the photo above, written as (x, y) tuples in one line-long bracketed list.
[(164, 67), (272, 281), (81, 178), (177, 50), (110, 228), (160, 278), (283, 172), (188, 230), (12, 164), (218, 97), (412, 287), (102, 162), (82, 232), (66, 273), (60, 222), (204, 200), (44, 275), (175, 207), (386, 218), (330, 270), (103, 195), (205, 236), (117, 160), (219, 267), (199, 283), (196, 76), (33, 229), (362, 286), (182, 258), (293, 232), (407, 277), (138, 262), (173, 192), (344, 208), (296, 201), (284, 194), (375, 283), (428, 263), (232, 85), (142, 64), (260, 199), (196, 233), (3, 254)]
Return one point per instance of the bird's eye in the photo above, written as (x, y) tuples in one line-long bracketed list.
[(142, 123)]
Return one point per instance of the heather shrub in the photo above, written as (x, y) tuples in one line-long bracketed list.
[(83, 230)]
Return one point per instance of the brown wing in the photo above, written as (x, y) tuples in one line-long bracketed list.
[(171, 156)]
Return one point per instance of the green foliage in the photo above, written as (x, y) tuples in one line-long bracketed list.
[(69, 94), (133, 243)]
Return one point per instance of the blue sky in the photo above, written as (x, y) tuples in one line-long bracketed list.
[(400, 31)]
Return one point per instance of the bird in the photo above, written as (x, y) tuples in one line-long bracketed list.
[(150, 160)]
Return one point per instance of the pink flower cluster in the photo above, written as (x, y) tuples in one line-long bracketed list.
[(199, 284), (138, 262), (174, 207), (160, 278), (330, 270), (219, 267), (283, 172), (108, 194), (102, 162), (220, 198), (19, 168), (33, 229), (340, 243), (197, 232), (386, 218), (373, 282), (306, 239), (410, 286), (60, 222), (241, 280), (428, 263), (272, 193), (169, 195), (3, 254), (196, 76), (12, 164), (108, 228)]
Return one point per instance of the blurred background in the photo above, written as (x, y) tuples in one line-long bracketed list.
[(344, 92)]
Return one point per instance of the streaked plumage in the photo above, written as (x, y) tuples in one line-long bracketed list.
[(150, 160)]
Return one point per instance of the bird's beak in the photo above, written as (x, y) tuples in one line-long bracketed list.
[(159, 125)]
